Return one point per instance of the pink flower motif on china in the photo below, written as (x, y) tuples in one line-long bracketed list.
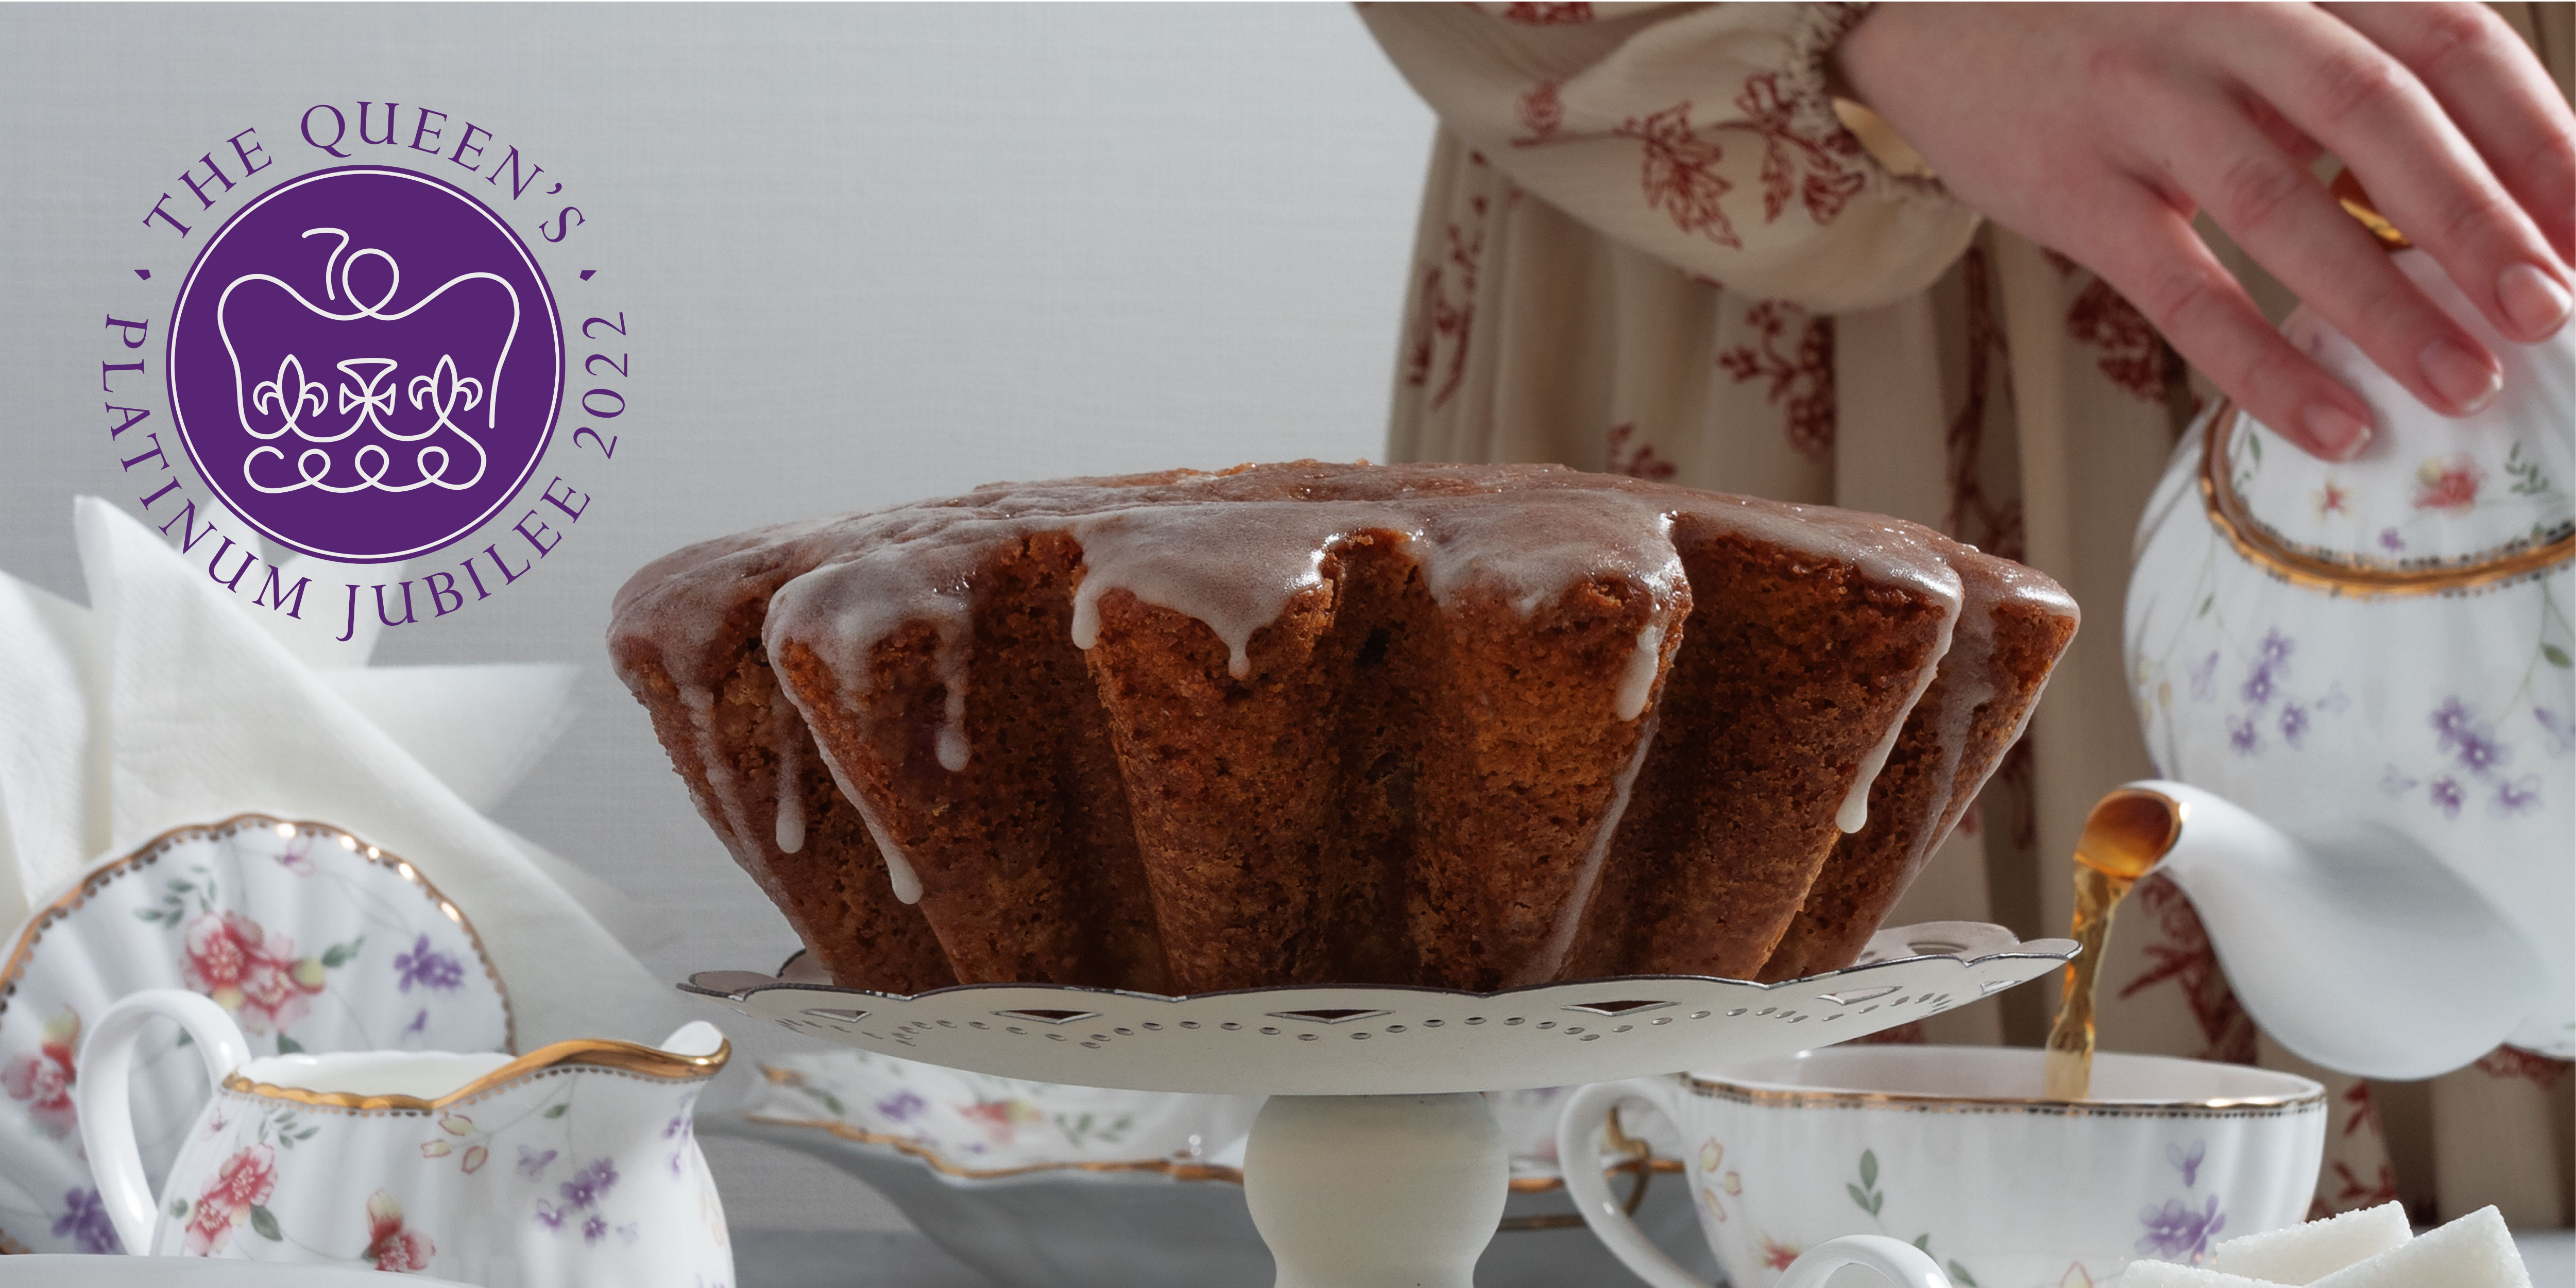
[(2448, 483), (390, 1244), (249, 972), (1000, 1119), (296, 857), (1778, 1255), (2330, 499), (44, 1079), (244, 1182)]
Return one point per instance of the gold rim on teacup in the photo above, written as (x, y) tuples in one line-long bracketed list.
[(2346, 575), (1775, 1095), (578, 1053)]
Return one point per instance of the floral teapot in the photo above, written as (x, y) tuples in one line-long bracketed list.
[(572, 1165), (2384, 640)]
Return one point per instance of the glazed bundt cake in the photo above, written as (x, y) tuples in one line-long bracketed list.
[(1459, 726)]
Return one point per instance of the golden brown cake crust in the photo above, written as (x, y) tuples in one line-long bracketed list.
[(1463, 726)]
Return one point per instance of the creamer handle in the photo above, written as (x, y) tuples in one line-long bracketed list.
[(107, 1112)]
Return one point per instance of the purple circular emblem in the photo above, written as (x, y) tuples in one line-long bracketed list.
[(365, 364)]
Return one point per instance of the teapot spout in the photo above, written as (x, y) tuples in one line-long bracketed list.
[(2350, 943)]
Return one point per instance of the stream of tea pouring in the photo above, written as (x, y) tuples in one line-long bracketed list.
[(2349, 943)]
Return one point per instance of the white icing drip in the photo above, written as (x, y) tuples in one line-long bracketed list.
[(1537, 549), (1853, 814), (1639, 682), (721, 780), (787, 736), (952, 659), (1253, 558), (907, 883), (1560, 941)]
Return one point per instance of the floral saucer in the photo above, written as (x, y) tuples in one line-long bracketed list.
[(311, 938), (1043, 1185)]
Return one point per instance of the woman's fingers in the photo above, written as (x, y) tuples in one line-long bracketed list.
[(2496, 92), (2275, 209), (2149, 253), (2352, 96)]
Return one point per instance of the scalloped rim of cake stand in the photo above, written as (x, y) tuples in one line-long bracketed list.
[(1388, 1039)]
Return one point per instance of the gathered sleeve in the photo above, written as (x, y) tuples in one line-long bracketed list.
[(1702, 135)]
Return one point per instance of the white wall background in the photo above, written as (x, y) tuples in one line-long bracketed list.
[(867, 253)]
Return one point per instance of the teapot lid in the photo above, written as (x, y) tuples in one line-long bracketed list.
[(2428, 492)]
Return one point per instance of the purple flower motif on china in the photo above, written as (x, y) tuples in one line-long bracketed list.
[(2470, 741), (2557, 732), (2334, 701), (2204, 676), (419, 1023), (2257, 689), (2396, 783), (2390, 541), (2187, 1161), (594, 1228), (2275, 649), (2447, 796), (428, 968), (533, 1164), (901, 1106), (86, 1223), (2518, 797), (590, 1184), (2294, 723), (2178, 1231), (2242, 736), (678, 1124), (550, 1216)]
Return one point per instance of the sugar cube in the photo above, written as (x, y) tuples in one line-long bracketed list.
[(2473, 1252), (2303, 1254), (2167, 1274)]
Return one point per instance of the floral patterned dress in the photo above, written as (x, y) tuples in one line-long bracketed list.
[(1652, 242)]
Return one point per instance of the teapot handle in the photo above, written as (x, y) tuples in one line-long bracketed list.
[(107, 1112), (1578, 1154)]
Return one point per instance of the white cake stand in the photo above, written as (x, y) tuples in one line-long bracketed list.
[(1375, 1163)]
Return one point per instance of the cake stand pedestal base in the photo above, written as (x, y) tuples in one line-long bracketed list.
[(1376, 1191)]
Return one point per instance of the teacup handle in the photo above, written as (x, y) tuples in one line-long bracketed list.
[(1578, 1154), (107, 1111)]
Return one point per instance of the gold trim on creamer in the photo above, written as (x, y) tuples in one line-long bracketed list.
[(1913, 1102), (2342, 576), (579, 1053), (150, 852)]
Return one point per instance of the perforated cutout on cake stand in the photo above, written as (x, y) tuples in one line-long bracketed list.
[(1375, 1163)]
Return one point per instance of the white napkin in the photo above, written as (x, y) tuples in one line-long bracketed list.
[(195, 711)]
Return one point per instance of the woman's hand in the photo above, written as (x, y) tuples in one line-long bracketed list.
[(2099, 130)]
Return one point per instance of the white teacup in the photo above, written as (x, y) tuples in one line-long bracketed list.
[(1954, 1150), (571, 1166)]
